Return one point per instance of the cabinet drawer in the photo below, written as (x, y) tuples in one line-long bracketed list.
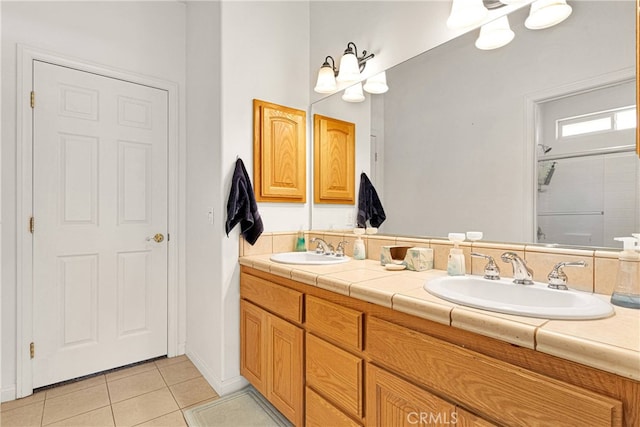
[(282, 301), (336, 374), (320, 413), (490, 388), (338, 323)]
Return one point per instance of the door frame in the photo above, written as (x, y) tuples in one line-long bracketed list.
[(176, 313), (530, 140)]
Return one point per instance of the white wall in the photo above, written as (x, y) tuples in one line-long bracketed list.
[(263, 53), (146, 38)]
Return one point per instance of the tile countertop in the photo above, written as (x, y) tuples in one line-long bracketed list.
[(611, 344)]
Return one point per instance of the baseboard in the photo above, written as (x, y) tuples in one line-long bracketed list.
[(8, 393), (221, 387)]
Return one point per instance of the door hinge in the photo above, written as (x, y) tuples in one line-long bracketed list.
[(32, 350), (31, 224), (33, 99)]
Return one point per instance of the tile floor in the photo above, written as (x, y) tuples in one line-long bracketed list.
[(150, 394)]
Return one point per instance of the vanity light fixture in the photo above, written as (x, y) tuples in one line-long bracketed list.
[(466, 13), (353, 93), (377, 84), (547, 13), (351, 65), (495, 34)]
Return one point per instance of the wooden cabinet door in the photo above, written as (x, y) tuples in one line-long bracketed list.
[(279, 153), (253, 342), (393, 402), (334, 143), (285, 343)]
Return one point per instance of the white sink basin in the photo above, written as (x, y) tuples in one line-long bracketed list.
[(308, 258), (503, 296)]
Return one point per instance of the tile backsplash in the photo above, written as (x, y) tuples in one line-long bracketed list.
[(598, 276)]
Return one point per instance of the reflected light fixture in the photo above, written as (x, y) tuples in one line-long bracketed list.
[(466, 13), (547, 13), (351, 65), (353, 93), (495, 34), (377, 84)]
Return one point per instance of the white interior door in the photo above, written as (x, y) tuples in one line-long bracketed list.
[(99, 193)]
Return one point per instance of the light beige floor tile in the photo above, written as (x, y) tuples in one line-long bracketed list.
[(179, 372), (76, 403), (192, 391), (97, 418), (127, 372), (144, 408), (135, 385), (75, 386), (170, 361), (24, 416), (13, 404), (174, 419)]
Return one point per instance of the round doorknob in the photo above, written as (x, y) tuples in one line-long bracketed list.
[(158, 238)]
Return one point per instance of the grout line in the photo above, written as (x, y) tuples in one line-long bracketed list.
[(73, 416)]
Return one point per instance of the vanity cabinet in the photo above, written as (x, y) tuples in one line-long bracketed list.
[(325, 359), (271, 356)]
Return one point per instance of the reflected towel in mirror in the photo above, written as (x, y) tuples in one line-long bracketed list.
[(369, 205), (242, 207)]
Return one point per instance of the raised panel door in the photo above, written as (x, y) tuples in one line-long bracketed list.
[(99, 192), (334, 160), (286, 381), (253, 342), (393, 402), (279, 163)]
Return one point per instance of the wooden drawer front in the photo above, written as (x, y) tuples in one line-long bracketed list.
[(320, 413), (392, 402), (493, 389), (336, 374), (282, 301), (338, 323)]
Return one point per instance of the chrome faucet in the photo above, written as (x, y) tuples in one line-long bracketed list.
[(491, 270), (323, 247), (558, 278), (340, 248), (522, 275)]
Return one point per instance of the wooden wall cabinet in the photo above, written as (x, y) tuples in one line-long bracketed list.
[(279, 153), (334, 146)]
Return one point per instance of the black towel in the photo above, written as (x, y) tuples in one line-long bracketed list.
[(369, 205), (242, 207)]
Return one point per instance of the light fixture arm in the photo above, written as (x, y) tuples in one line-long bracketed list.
[(332, 65), (362, 60)]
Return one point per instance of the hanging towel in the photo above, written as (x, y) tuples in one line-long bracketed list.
[(242, 207), (369, 205)]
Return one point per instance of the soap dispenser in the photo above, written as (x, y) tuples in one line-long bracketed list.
[(627, 290), (359, 251), (455, 264), (301, 245)]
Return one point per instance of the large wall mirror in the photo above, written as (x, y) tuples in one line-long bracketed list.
[(465, 139)]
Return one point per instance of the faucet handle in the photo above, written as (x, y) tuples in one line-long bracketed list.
[(340, 248), (491, 270), (558, 278)]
